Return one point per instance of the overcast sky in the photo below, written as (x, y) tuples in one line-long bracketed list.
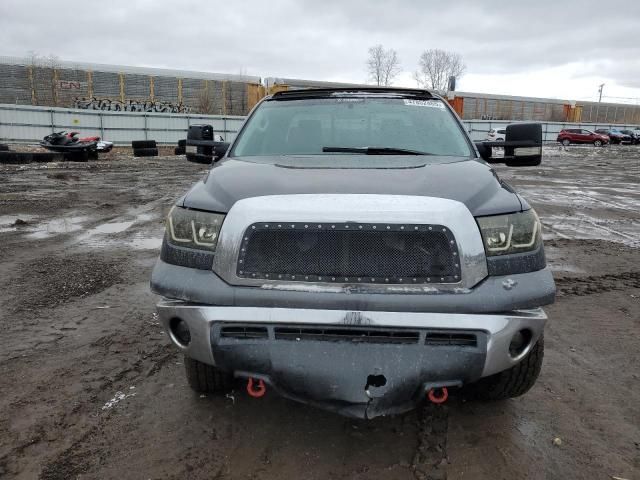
[(541, 48)]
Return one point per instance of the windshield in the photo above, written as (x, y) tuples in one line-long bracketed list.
[(306, 127)]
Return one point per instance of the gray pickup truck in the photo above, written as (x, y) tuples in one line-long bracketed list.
[(353, 249)]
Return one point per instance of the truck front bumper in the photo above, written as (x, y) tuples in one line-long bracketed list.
[(357, 363)]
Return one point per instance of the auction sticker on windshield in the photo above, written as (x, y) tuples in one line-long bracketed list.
[(425, 103)]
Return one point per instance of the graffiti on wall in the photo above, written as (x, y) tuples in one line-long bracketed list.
[(112, 105)]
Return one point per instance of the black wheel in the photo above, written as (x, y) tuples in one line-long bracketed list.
[(4, 148), (566, 142), (207, 378), (93, 154), (598, 143), (196, 158), (513, 382), (145, 152), (15, 157), (179, 151), (46, 157), (82, 156), (182, 143), (139, 144)]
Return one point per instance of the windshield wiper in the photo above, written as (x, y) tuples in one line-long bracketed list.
[(374, 150)]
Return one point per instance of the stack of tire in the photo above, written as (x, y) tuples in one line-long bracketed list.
[(18, 158), (181, 148), (144, 148)]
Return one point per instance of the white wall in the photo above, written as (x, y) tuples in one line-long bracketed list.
[(26, 124)]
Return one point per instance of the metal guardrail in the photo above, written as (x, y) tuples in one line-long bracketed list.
[(478, 129), (27, 124)]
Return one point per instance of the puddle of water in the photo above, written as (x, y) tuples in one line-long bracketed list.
[(57, 226), (581, 226), (100, 236), (145, 217), (564, 267), (140, 242), (111, 227), (7, 222)]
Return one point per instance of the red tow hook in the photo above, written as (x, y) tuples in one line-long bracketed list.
[(257, 392), (438, 395)]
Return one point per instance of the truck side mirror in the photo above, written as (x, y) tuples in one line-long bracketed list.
[(485, 152), (219, 149), (522, 146)]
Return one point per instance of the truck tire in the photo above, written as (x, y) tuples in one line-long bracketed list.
[(179, 151), (513, 382), (4, 148), (138, 144), (145, 152), (207, 378), (15, 157), (182, 143)]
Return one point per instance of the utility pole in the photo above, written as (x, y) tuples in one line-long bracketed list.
[(600, 92)]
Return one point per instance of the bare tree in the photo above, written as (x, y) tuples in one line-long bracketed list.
[(33, 59), (205, 99), (383, 65), (435, 68), (52, 62)]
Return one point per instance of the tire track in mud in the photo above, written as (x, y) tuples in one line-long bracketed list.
[(71, 462), (592, 284), (149, 358), (430, 459)]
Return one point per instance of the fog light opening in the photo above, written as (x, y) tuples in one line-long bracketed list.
[(180, 331), (375, 381), (520, 342)]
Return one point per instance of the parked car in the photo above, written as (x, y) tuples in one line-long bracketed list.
[(496, 134), (634, 134), (568, 136), (615, 135), (352, 249)]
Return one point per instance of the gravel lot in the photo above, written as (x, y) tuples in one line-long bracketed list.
[(92, 389)]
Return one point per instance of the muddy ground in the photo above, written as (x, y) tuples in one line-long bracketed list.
[(91, 388)]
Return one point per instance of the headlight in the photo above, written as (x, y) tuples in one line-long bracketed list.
[(513, 233), (193, 228)]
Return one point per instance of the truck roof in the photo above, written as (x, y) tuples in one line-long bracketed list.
[(356, 91)]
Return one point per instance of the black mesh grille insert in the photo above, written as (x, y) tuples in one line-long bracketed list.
[(346, 335), (451, 339), (244, 332), (367, 253)]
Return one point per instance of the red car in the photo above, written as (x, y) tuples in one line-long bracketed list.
[(568, 136)]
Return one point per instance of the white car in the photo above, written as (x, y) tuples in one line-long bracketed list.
[(496, 135)]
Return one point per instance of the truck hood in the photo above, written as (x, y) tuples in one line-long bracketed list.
[(470, 181)]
